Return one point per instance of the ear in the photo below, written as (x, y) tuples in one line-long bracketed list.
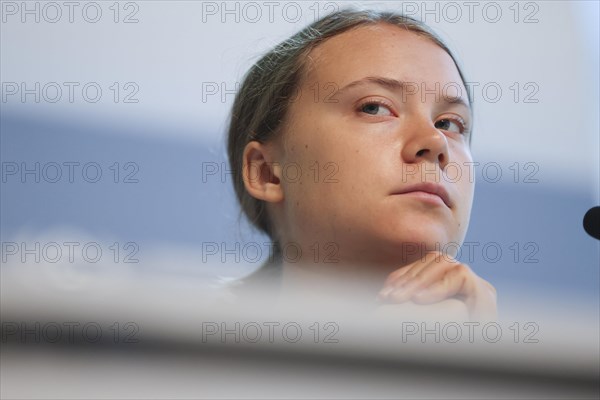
[(262, 176)]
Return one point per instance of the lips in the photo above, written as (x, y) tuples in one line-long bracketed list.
[(432, 188)]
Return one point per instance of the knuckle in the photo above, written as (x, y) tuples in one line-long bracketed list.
[(445, 282), (399, 272), (489, 286), (416, 275), (462, 269)]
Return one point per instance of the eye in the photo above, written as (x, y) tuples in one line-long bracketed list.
[(456, 125), (376, 107)]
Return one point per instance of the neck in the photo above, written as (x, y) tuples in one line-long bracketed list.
[(338, 271), (359, 281)]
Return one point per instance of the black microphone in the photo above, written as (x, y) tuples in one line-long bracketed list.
[(591, 222)]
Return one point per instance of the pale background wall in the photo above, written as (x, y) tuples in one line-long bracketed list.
[(177, 49)]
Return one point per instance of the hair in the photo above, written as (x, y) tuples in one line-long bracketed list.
[(267, 90)]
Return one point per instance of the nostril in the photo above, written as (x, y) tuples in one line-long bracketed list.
[(441, 158), (421, 152)]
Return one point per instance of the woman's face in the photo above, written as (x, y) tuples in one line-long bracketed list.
[(360, 140)]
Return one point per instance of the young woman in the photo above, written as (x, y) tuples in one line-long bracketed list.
[(341, 141)]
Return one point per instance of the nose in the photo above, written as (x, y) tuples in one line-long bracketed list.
[(426, 143)]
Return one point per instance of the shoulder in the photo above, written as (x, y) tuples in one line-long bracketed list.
[(262, 284)]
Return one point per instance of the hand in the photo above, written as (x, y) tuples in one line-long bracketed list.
[(436, 277)]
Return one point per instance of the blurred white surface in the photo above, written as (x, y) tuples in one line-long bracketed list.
[(162, 336)]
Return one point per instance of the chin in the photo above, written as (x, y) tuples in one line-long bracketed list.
[(414, 242)]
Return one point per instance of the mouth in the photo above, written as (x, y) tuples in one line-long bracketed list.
[(428, 192)]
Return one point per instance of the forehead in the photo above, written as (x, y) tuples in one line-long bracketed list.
[(380, 50)]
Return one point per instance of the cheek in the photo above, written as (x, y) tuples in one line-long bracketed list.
[(461, 175), (336, 184), (326, 157)]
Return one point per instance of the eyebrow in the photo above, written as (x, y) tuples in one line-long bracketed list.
[(398, 86)]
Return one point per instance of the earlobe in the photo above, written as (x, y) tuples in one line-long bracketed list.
[(262, 176)]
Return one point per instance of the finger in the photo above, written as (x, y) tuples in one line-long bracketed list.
[(450, 285), (397, 291), (483, 304), (415, 266), (394, 295), (400, 276), (479, 299), (426, 275), (434, 284), (397, 274), (402, 288), (489, 286)]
